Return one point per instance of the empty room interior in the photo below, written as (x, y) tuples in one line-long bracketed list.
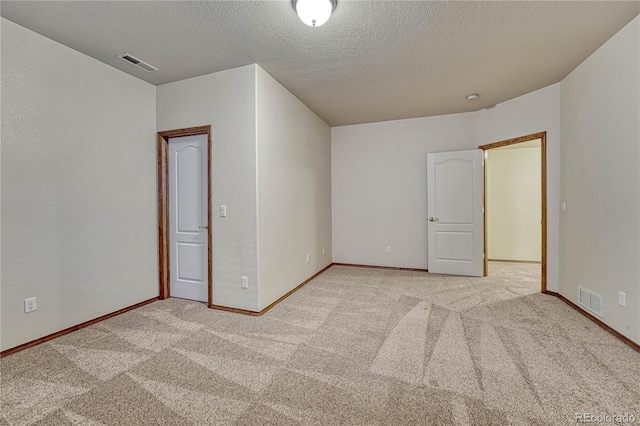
[(320, 212)]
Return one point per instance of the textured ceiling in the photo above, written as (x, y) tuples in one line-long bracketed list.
[(373, 60)]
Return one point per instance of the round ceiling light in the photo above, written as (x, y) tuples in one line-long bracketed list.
[(314, 12), (472, 96)]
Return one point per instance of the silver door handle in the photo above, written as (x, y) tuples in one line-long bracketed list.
[(433, 219), (203, 227)]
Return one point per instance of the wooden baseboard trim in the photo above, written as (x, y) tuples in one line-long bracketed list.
[(633, 345), (381, 267), (265, 310), (73, 328), (235, 310), (535, 262)]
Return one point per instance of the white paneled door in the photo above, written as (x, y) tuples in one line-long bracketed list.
[(188, 217), (455, 185)]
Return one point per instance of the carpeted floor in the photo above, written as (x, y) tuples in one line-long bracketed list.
[(355, 346)]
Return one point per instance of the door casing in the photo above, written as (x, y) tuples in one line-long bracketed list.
[(163, 208), (543, 173)]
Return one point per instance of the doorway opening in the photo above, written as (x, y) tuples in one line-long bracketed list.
[(529, 141), (164, 229)]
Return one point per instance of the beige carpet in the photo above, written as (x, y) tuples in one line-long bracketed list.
[(355, 346)]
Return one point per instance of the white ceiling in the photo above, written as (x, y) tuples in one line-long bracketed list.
[(373, 60)]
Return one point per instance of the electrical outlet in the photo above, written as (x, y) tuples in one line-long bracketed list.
[(388, 249), (622, 299), (324, 250), (245, 282), (30, 305), (308, 258)]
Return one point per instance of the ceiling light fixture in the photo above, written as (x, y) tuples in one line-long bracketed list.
[(472, 96), (314, 12)]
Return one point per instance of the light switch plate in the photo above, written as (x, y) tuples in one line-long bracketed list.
[(622, 299)]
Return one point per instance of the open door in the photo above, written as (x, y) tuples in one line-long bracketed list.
[(455, 185)]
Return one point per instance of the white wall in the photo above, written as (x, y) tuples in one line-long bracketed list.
[(513, 204), (379, 187), (227, 101), (379, 177), (79, 225), (600, 231), (294, 190)]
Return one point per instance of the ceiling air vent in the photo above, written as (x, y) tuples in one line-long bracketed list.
[(137, 62)]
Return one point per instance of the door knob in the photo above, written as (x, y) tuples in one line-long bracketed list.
[(433, 219), (203, 227)]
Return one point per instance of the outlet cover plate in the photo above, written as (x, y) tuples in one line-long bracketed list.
[(30, 305)]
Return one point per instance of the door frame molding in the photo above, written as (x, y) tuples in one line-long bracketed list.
[(543, 174), (163, 208)]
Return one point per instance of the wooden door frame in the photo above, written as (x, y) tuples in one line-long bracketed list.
[(543, 174), (163, 208)]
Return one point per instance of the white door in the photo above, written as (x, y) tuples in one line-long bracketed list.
[(455, 189), (188, 217)]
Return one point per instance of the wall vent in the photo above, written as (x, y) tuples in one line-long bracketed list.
[(137, 62), (591, 301)]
